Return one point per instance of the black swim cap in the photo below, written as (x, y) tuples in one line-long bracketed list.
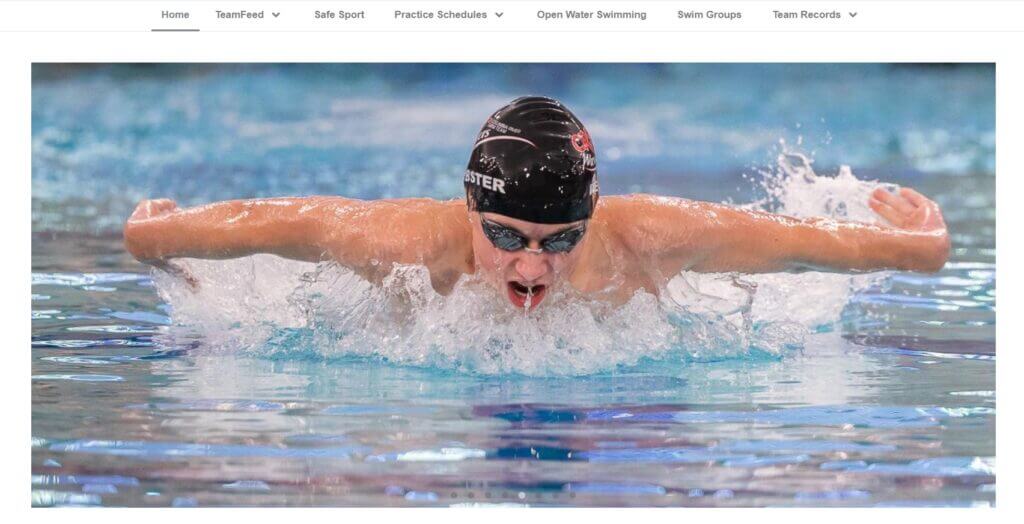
[(533, 160)]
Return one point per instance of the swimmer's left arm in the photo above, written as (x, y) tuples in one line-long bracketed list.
[(707, 237)]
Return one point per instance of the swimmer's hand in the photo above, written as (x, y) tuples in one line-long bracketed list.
[(153, 208), (911, 211), (135, 239), (908, 210)]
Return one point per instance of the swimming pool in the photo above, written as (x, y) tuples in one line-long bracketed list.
[(885, 396)]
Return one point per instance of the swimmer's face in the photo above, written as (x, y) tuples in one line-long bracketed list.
[(521, 274)]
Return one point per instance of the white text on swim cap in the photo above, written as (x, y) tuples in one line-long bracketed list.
[(484, 181)]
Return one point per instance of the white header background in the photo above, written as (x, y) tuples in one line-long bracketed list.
[(517, 15)]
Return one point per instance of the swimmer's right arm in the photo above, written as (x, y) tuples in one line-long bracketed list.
[(366, 236), (158, 230)]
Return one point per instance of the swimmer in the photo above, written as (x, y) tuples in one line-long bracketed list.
[(532, 221)]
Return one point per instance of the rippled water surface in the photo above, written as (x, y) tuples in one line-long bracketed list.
[(892, 402)]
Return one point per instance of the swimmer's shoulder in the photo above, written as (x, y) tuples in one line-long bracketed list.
[(426, 231), (627, 212), (415, 225), (615, 219), (448, 253), (399, 208), (444, 221), (634, 220), (444, 224)]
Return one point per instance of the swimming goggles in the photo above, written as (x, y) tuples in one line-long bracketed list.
[(508, 239)]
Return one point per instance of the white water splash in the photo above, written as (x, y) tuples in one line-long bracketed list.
[(812, 298), (269, 306)]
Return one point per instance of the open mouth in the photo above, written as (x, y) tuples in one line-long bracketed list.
[(521, 295)]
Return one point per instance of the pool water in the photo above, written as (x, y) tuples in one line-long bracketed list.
[(889, 401)]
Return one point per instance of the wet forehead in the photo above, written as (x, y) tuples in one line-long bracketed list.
[(530, 229)]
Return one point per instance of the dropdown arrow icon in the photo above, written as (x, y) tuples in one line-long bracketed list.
[(499, 14), (853, 14), (276, 14)]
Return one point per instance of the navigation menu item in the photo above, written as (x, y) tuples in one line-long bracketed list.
[(340, 15)]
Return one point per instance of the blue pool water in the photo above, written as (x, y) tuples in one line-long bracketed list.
[(280, 385)]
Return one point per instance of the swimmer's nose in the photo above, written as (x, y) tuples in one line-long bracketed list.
[(531, 266)]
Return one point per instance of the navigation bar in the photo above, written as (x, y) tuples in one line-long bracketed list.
[(463, 15)]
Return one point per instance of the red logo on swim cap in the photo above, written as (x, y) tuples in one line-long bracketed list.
[(581, 141)]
